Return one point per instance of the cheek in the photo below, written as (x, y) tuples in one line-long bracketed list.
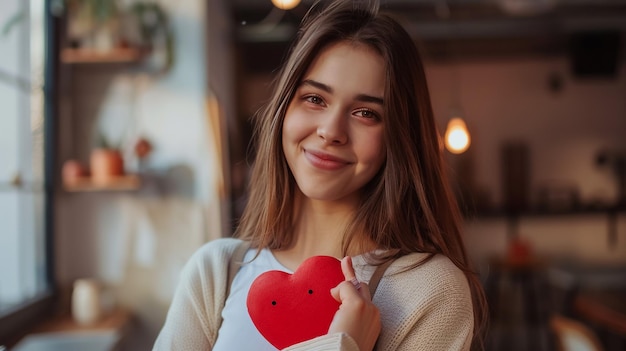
[(294, 128), (373, 149), (290, 135), (287, 127)]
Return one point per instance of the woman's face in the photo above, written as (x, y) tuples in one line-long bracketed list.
[(333, 128)]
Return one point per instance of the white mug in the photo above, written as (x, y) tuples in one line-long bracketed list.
[(86, 307)]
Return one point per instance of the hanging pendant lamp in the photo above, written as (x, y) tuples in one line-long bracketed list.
[(457, 138), (285, 4)]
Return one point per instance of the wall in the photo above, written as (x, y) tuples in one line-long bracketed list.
[(510, 100), (136, 242), (564, 130)]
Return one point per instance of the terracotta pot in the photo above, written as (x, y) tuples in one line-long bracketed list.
[(72, 172), (106, 165)]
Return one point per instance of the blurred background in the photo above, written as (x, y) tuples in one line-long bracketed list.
[(124, 146)]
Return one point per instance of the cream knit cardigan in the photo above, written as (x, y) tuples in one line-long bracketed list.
[(425, 308)]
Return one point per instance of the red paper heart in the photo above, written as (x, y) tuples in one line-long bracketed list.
[(291, 308)]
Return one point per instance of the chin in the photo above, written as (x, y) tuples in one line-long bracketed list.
[(316, 194), (324, 194)]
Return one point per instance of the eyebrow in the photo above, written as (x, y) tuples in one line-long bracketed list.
[(328, 89)]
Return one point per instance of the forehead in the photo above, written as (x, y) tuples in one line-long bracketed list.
[(350, 67)]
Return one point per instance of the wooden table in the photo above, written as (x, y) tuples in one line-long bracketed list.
[(606, 308)]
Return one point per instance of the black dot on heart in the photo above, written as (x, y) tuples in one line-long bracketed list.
[(273, 303), (310, 292)]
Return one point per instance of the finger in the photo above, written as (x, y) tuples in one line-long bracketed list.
[(347, 269), (364, 292), (345, 290)]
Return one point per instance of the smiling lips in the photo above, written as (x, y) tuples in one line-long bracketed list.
[(325, 161)]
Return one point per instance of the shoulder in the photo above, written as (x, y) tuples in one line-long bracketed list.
[(427, 301), (216, 249), (417, 271), (438, 271), (415, 287), (205, 274), (211, 259), (433, 280)]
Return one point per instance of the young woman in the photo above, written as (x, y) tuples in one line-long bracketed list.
[(348, 164)]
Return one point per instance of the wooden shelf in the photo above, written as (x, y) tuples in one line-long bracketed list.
[(583, 210), (117, 322), (117, 55), (116, 319), (122, 183), (514, 217)]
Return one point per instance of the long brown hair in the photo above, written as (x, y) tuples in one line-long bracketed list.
[(408, 206)]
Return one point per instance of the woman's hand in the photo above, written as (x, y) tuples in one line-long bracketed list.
[(357, 316)]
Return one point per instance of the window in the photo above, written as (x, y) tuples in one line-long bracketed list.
[(24, 191)]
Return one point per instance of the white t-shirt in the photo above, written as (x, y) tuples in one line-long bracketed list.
[(237, 331)]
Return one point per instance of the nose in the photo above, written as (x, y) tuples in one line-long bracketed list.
[(332, 129)]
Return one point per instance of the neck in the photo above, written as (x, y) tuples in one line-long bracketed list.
[(319, 228)]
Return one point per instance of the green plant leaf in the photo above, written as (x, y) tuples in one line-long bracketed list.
[(154, 23)]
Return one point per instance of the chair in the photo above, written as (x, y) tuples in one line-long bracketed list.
[(572, 335)]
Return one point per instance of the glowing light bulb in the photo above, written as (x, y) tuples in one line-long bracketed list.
[(457, 136), (285, 4)]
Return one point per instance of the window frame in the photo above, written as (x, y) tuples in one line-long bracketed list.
[(16, 322)]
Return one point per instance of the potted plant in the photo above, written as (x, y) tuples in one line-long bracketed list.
[(106, 163), (103, 25), (155, 34), (93, 24)]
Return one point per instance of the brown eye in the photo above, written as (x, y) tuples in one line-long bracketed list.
[(314, 99), (368, 114)]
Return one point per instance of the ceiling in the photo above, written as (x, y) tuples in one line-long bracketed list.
[(453, 29)]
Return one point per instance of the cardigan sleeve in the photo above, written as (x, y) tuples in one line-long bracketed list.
[(329, 342), (193, 318)]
